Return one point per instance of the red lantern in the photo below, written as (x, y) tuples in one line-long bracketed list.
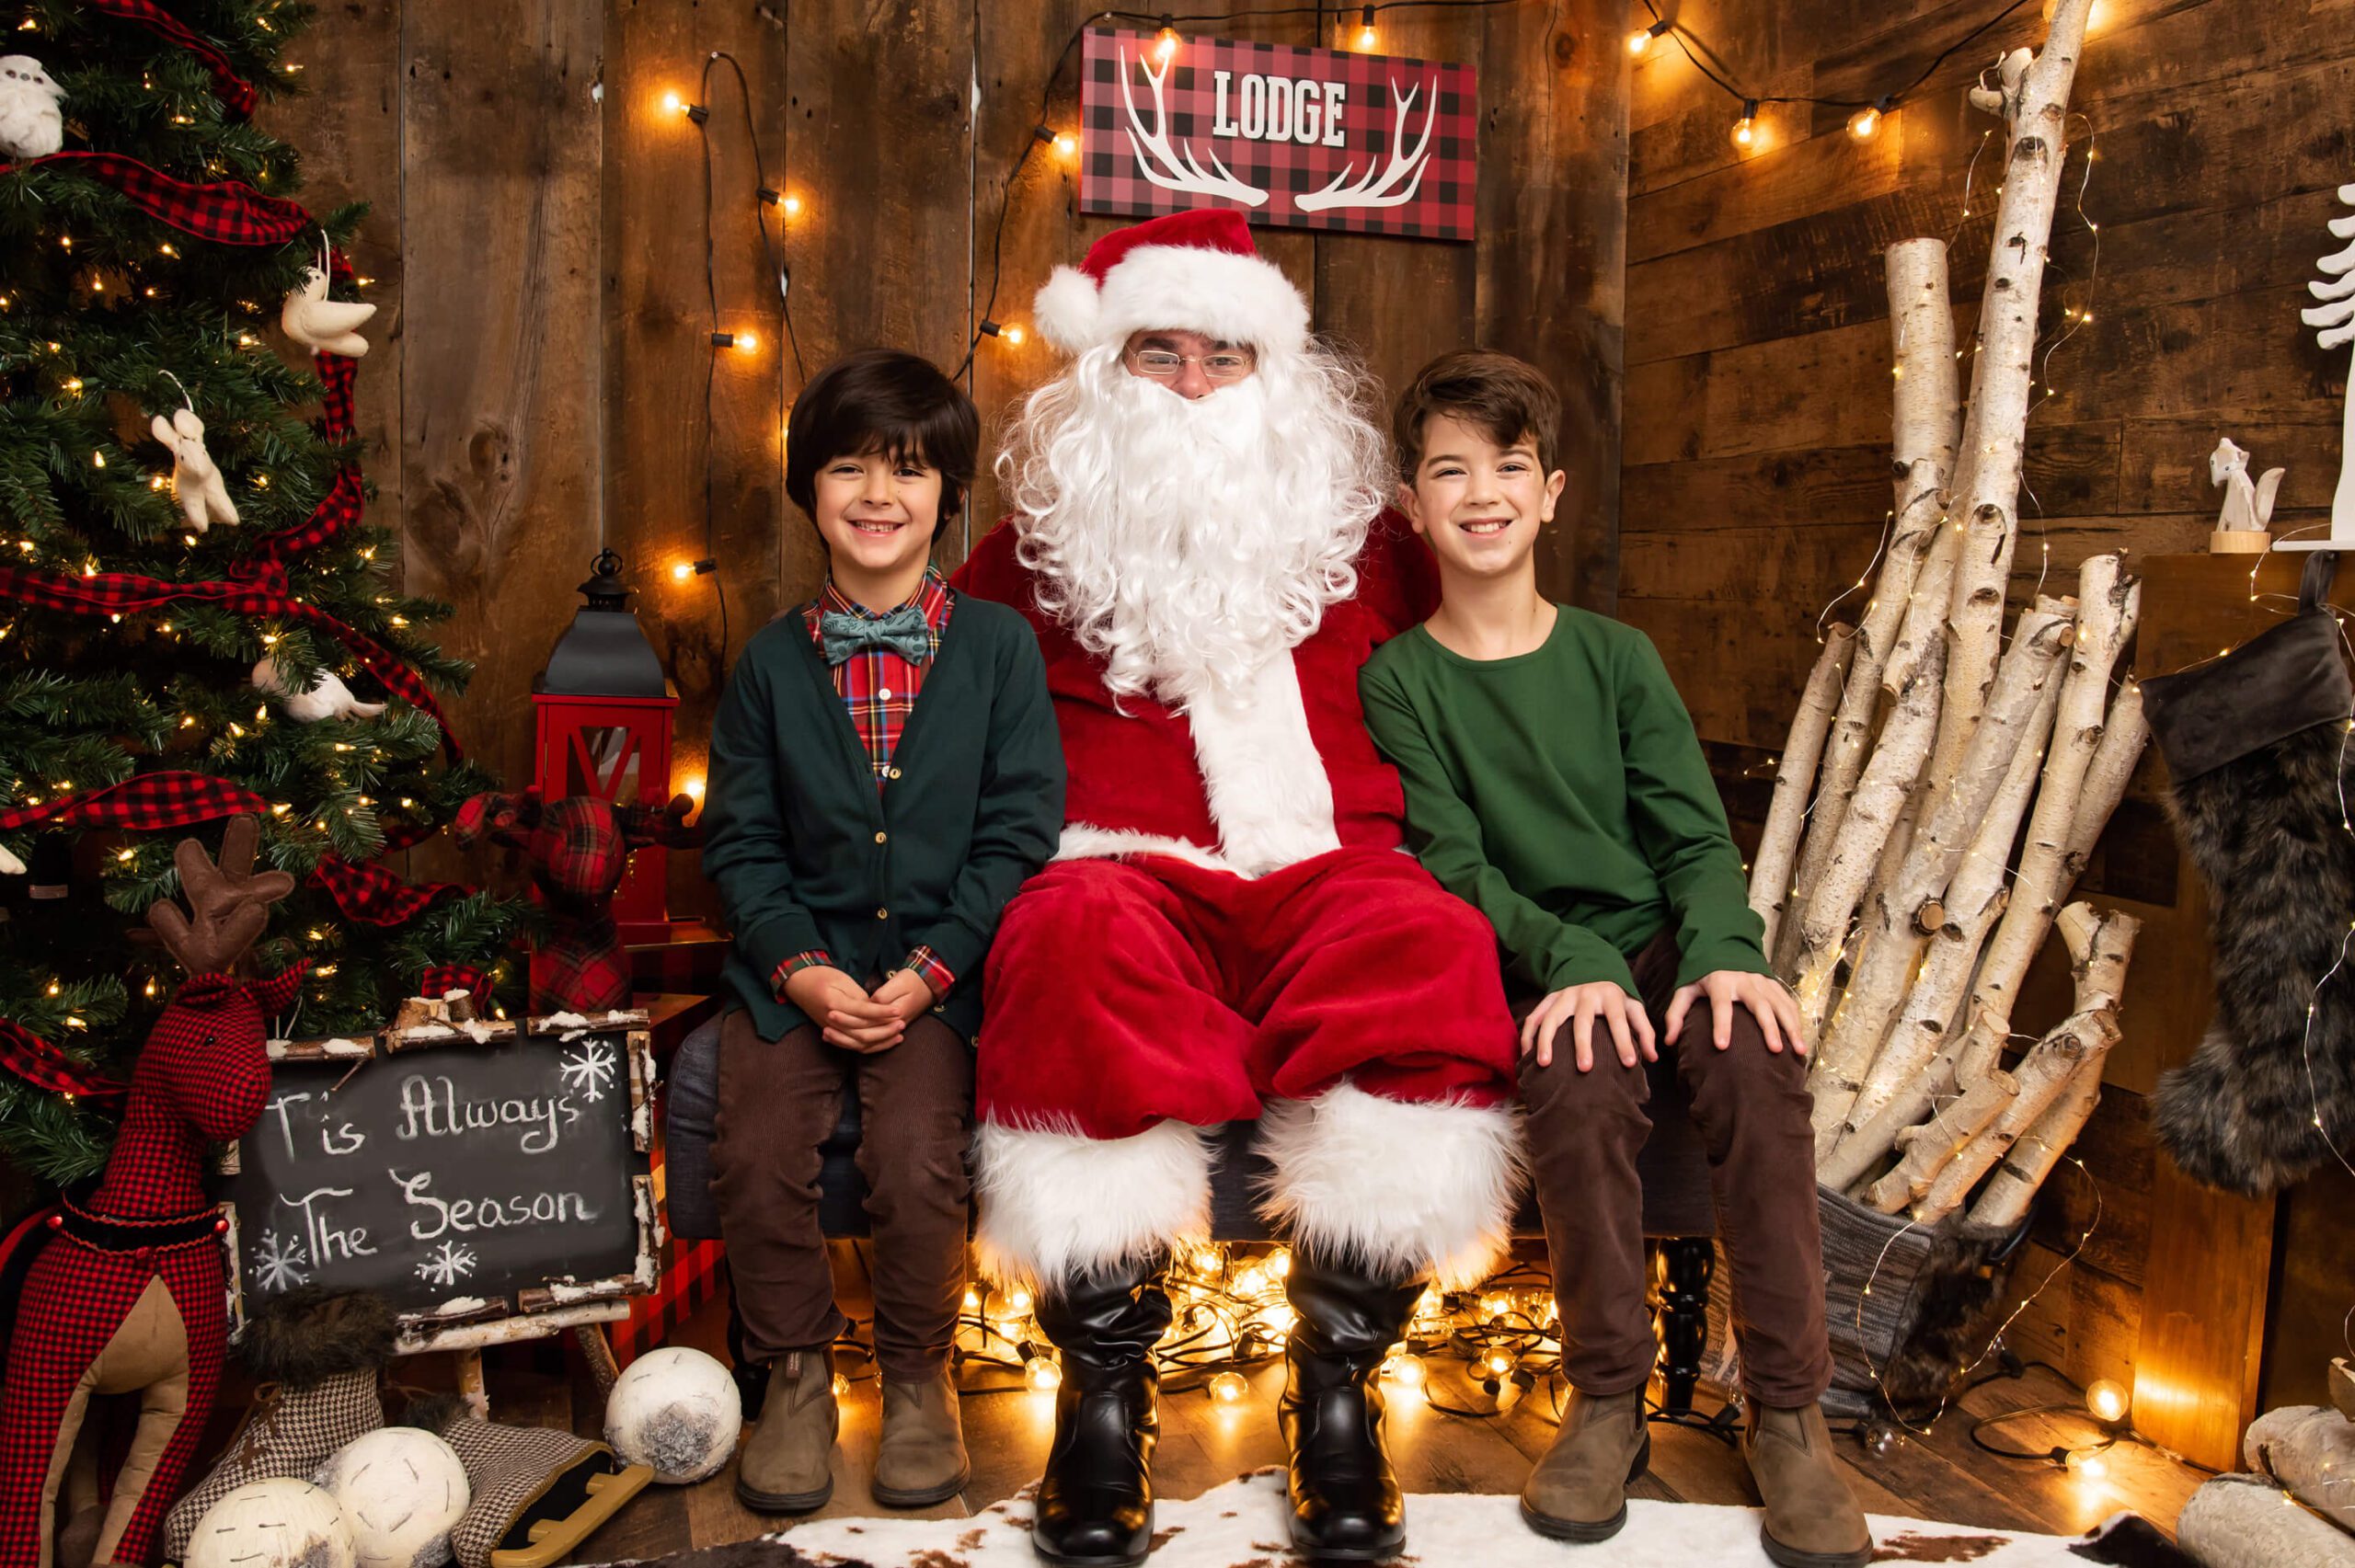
[(602, 715)]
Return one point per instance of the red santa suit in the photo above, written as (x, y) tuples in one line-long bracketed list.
[(1230, 929)]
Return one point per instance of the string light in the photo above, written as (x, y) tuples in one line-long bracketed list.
[(1865, 121), (686, 571), (1165, 43), (673, 104), (1228, 1387), (1010, 335), (2106, 1399), (1745, 130), (747, 341), (1641, 38), (1367, 37)]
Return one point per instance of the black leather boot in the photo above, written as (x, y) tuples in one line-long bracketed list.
[(1095, 1506), (1346, 1505)]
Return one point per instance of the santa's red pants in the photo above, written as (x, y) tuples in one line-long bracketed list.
[(1348, 1001)]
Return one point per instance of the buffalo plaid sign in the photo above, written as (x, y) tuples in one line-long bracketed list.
[(1293, 138)]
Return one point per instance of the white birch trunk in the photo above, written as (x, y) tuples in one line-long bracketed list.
[(1880, 796), (2077, 1044), (1927, 1148), (2036, 105), (1892, 942), (1770, 874), (2310, 1450), (2239, 1521)]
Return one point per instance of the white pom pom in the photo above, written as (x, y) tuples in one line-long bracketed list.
[(1067, 310)]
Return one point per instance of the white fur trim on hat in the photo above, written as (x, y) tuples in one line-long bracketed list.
[(1239, 299), (1396, 1186)]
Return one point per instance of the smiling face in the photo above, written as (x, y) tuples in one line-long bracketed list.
[(878, 513), (1479, 504)]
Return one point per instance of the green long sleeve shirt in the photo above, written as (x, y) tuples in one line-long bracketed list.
[(1563, 794)]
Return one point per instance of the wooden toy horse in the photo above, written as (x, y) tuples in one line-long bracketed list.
[(127, 1293)]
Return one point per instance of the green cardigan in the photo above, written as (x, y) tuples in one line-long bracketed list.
[(808, 853)]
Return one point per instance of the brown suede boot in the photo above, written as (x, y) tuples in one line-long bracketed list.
[(921, 1457), (788, 1465), (1578, 1491), (1811, 1520)]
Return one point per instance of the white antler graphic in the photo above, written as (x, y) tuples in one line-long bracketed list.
[(1368, 190), (1175, 170)]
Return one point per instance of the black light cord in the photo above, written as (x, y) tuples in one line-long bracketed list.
[(1677, 33)]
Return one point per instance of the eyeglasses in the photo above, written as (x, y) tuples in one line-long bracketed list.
[(1219, 368)]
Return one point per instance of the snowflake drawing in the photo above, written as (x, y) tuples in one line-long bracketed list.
[(587, 1070), (278, 1263), (447, 1265)]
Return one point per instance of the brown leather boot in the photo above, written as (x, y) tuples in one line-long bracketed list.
[(1578, 1491), (788, 1465), (921, 1457), (1812, 1520)]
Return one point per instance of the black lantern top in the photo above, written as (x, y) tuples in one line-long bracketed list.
[(604, 653)]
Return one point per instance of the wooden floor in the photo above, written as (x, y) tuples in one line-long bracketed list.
[(1936, 1476)]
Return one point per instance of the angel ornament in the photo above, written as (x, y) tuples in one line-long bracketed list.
[(319, 324), (328, 697), (197, 484), (2336, 319), (2248, 505)]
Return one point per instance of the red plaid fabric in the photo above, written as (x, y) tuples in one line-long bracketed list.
[(439, 979), (879, 687), (226, 212), (44, 1066), (690, 1277), (373, 895), (236, 93), (1263, 142), (109, 593), (202, 1078), (264, 564)]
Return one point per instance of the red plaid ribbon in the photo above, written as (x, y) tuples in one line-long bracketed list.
[(44, 1066), (232, 89), (151, 802), (113, 593), (226, 212), (439, 979), (265, 564)]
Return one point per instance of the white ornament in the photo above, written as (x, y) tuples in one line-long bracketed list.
[(31, 123), (402, 1491), (322, 325), (9, 864), (197, 484), (278, 1523), (331, 698), (2249, 504), (676, 1410), (2336, 319)]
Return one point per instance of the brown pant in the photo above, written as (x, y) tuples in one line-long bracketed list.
[(779, 1100), (1751, 1105)]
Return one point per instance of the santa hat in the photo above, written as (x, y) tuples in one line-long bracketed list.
[(1188, 271)]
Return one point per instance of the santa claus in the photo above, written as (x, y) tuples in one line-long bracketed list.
[(1229, 929)]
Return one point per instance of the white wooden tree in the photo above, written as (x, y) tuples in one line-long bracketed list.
[(2336, 318)]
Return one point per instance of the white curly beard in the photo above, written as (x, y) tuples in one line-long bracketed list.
[(1187, 543)]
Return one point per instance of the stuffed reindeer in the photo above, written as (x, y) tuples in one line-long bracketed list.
[(576, 851), (127, 1293)]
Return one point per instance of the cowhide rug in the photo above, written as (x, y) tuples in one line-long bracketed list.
[(1241, 1525)]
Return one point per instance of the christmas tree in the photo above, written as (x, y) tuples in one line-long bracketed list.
[(196, 618)]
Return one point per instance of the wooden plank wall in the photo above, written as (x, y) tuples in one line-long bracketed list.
[(1757, 406), (542, 364)]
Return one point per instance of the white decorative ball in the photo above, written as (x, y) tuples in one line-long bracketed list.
[(272, 1524), (402, 1490), (676, 1410)]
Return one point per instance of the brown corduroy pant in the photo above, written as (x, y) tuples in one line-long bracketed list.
[(1752, 1108), (779, 1100)]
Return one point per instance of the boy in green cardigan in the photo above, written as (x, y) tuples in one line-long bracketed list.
[(885, 773), (1553, 780)]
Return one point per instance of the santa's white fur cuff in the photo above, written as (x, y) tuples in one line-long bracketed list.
[(1057, 1205)]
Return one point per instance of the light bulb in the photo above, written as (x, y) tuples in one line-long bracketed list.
[(1278, 1263), (1043, 1375), (1745, 130), (1164, 46), (1250, 1282), (1407, 1370), (2107, 1399), (1367, 37), (1865, 121), (972, 1300), (747, 341), (1066, 146), (841, 1385), (790, 206), (1641, 38), (693, 788), (1206, 1261), (1012, 335), (1017, 1302), (681, 571), (1228, 1387), (672, 103)]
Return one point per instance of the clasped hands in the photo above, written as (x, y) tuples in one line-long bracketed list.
[(846, 1015), (1631, 1027)]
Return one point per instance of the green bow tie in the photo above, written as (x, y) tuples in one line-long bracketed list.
[(903, 631)]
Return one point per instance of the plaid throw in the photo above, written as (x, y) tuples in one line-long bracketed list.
[(236, 93), (111, 593), (44, 1066), (226, 212)]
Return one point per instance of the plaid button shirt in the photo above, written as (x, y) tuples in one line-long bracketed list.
[(879, 688)]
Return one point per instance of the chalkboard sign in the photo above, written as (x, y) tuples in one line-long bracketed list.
[(463, 1173)]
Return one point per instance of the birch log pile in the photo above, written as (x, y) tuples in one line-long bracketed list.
[(1901, 919)]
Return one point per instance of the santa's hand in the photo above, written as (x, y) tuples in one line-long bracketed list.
[(1769, 1002), (1579, 1006)]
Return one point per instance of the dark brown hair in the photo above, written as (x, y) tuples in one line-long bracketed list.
[(888, 401), (1504, 399)]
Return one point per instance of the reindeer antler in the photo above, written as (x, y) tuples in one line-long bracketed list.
[(230, 900), (1176, 168), (1380, 186)]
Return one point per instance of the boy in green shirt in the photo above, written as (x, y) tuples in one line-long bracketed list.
[(1553, 781)]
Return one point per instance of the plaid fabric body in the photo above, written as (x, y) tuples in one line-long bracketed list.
[(582, 969), (288, 1433), (879, 688), (1375, 157), (203, 1076), (508, 1469)]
